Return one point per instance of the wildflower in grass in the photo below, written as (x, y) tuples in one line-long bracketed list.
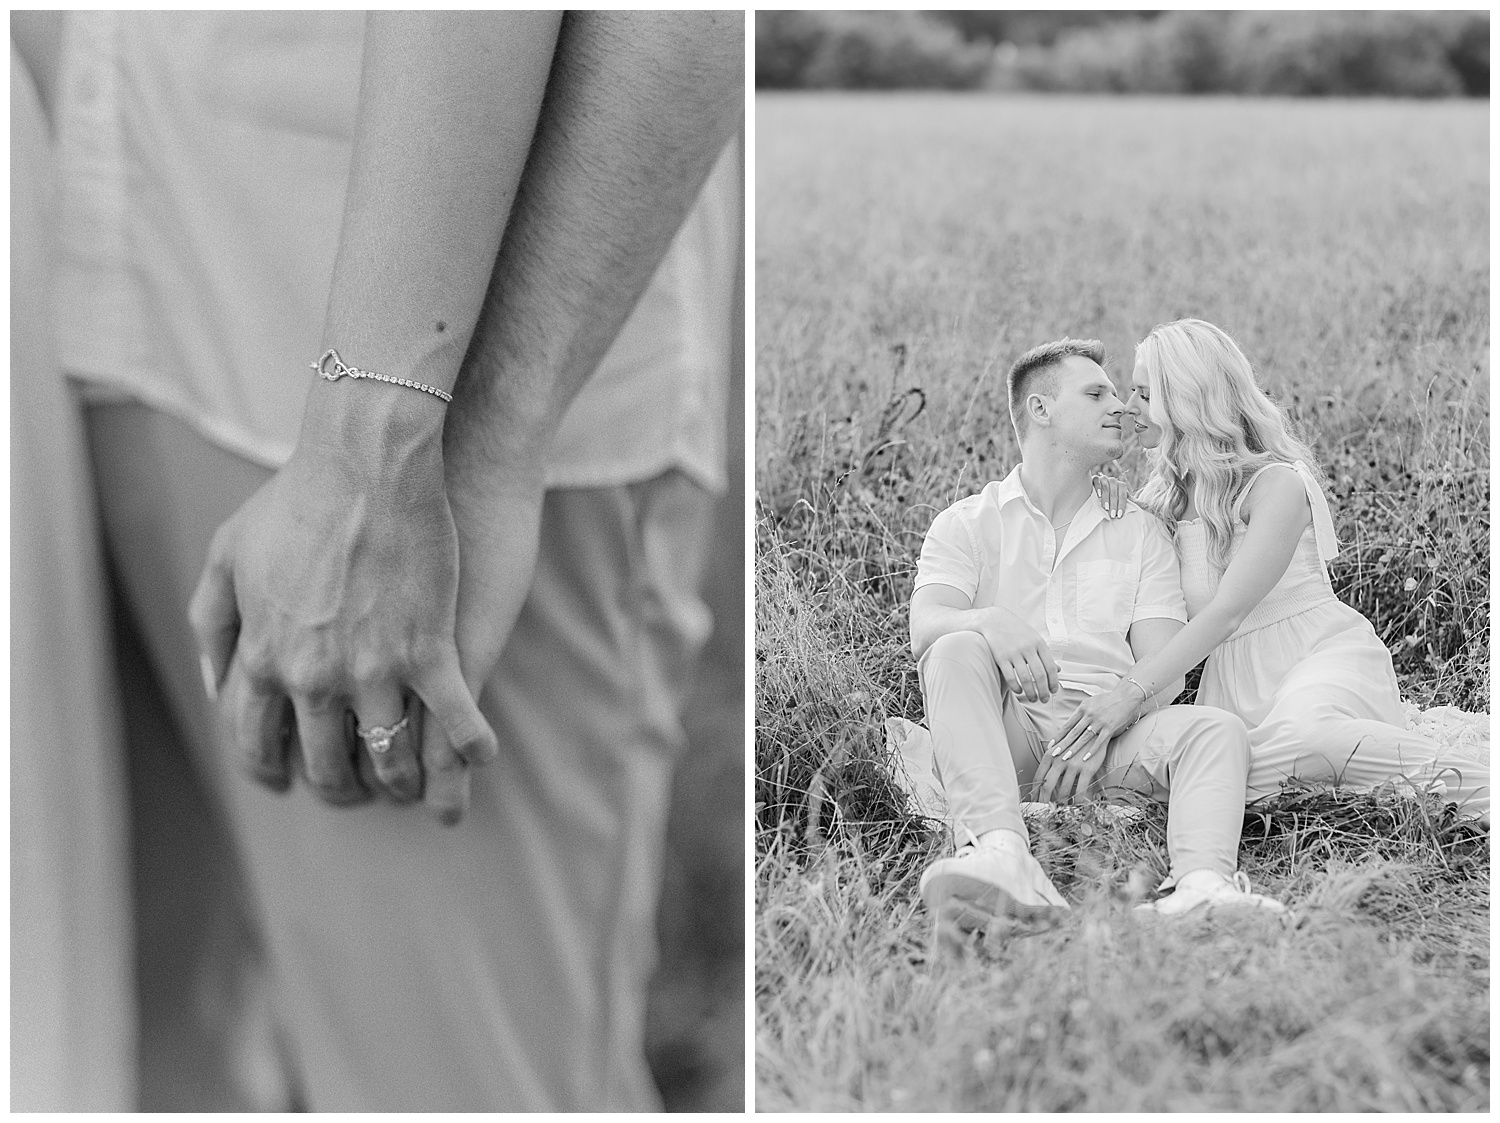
[(1411, 583)]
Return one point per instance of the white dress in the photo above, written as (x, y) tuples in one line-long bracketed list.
[(1312, 680)]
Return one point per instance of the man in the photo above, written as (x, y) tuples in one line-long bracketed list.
[(1027, 599)]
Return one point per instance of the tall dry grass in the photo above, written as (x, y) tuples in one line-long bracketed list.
[(907, 249)]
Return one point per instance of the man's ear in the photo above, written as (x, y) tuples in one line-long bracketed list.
[(1036, 410)]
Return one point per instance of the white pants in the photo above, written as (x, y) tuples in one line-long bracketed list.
[(987, 745), (501, 964)]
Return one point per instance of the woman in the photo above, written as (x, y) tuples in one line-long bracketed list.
[(1307, 673)]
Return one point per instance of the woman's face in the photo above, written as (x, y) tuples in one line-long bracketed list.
[(1138, 408)]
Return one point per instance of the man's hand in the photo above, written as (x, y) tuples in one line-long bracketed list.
[(1025, 662), (334, 587), (498, 518)]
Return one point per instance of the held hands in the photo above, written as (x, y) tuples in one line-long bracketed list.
[(329, 603), (1077, 753)]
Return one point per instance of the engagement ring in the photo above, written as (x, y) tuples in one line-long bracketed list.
[(379, 739)]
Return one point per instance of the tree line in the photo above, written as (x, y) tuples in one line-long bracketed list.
[(1372, 53)]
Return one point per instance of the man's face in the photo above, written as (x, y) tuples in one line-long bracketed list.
[(1087, 412), (1147, 434)]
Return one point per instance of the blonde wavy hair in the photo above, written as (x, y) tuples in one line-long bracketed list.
[(1218, 428)]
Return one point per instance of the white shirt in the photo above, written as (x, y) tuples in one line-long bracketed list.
[(203, 161), (1081, 594)]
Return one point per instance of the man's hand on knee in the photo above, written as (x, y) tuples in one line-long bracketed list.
[(1025, 662)]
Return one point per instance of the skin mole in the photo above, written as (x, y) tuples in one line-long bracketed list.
[(442, 326)]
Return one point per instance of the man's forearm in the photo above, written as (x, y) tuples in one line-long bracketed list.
[(639, 105), (930, 623)]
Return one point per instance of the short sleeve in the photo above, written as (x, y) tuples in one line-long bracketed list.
[(949, 554), (1158, 595)]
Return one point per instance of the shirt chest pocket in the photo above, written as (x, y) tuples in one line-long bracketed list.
[(1105, 596)]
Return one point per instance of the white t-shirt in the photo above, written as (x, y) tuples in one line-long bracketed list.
[(203, 160), (1080, 593)]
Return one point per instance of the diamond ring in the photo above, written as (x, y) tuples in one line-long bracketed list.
[(379, 739)]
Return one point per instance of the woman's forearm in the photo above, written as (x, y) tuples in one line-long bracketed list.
[(1161, 674), (448, 108)]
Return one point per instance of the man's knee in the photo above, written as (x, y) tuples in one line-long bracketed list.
[(966, 648), (1210, 729)]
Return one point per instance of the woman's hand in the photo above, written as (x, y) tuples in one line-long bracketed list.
[(1111, 492), (1077, 752)]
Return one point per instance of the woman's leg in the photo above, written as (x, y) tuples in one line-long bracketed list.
[(1317, 731)]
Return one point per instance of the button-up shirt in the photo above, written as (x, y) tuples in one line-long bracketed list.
[(1081, 588), (203, 159)]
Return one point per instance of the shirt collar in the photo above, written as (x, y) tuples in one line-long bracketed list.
[(1009, 490)]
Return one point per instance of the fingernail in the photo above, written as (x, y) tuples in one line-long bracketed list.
[(210, 687)]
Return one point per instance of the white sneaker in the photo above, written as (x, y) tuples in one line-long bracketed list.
[(983, 884), (1208, 887)]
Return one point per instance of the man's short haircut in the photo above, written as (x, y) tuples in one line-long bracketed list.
[(1033, 373)]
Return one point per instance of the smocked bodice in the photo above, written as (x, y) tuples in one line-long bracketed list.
[(1304, 585)]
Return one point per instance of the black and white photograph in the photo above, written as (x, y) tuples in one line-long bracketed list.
[(378, 733), (1121, 561)]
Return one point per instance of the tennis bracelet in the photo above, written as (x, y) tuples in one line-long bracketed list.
[(333, 368)]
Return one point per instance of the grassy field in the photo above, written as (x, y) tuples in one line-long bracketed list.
[(907, 249)]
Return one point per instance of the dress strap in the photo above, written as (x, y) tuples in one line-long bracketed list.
[(1322, 517), (1323, 530)]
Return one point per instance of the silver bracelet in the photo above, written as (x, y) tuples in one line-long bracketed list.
[(1145, 694), (340, 369)]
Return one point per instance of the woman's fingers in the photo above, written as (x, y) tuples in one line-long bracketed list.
[(214, 614), (327, 755), (259, 725), (1068, 735), (388, 728)]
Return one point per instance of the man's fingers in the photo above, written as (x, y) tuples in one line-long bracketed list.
[(214, 615), (1048, 784), (327, 756), (259, 725), (1026, 676), (1050, 666), (1037, 670), (391, 730), (445, 777), (456, 713)]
